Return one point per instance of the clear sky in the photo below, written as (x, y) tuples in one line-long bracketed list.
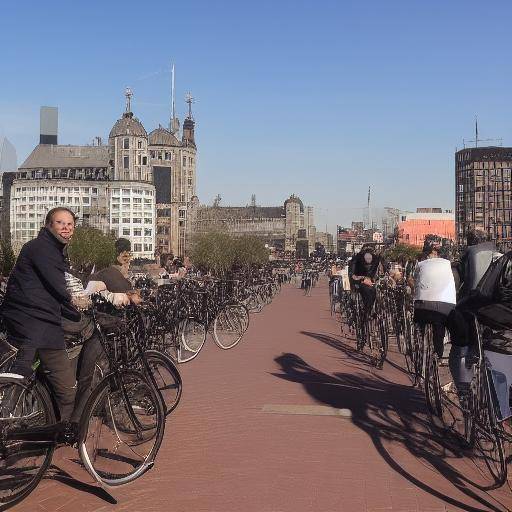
[(316, 98)]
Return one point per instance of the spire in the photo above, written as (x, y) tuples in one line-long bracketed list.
[(129, 94), (189, 99), (173, 104), (476, 131)]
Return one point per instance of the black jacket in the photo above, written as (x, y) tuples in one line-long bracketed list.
[(37, 298)]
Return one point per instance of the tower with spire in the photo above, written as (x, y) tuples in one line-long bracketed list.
[(173, 163)]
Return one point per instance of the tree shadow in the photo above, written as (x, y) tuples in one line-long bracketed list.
[(390, 413)]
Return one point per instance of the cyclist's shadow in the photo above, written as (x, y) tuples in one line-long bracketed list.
[(389, 413)]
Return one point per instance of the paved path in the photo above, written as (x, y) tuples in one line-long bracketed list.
[(261, 428)]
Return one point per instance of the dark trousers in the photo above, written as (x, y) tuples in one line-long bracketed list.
[(71, 380), (439, 322), (58, 369), (368, 294)]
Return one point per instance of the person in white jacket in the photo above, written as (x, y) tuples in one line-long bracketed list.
[(434, 294)]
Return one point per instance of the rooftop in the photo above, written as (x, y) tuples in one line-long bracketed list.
[(53, 156)]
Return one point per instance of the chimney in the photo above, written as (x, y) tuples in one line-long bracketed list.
[(49, 120)]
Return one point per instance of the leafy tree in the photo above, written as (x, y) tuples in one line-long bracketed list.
[(249, 251), (218, 252), (213, 252), (402, 253), (90, 248), (7, 257)]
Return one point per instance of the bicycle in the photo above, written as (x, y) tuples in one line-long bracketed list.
[(120, 429)]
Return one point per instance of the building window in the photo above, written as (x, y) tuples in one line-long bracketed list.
[(137, 247), (182, 214), (126, 220), (115, 220), (144, 160), (137, 220), (137, 232), (148, 221), (139, 144), (126, 231), (147, 232), (126, 162), (190, 182), (126, 191), (184, 161), (148, 247), (126, 143)]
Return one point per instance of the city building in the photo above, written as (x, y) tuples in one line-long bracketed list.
[(8, 163), (326, 240), (414, 227), (483, 192), (137, 186), (287, 228)]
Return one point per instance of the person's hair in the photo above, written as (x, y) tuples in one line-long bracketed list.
[(476, 236), (122, 245), (429, 249), (53, 211)]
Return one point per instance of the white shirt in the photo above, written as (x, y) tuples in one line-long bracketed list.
[(433, 281)]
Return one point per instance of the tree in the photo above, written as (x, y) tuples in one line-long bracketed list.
[(213, 252), (249, 251), (90, 248), (7, 257), (402, 253), (219, 252)]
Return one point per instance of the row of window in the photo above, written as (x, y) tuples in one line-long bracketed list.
[(131, 191), (134, 200), (162, 155), (69, 190), (134, 220), (126, 144), (138, 247), (136, 231)]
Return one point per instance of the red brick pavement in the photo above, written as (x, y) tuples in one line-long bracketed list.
[(222, 452)]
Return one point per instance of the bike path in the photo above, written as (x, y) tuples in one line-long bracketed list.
[(291, 420)]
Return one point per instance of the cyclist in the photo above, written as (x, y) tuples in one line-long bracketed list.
[(477, 258), (434, 293), (35, 303), (362, 272)]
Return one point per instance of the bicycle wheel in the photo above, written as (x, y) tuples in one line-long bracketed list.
[(432, 386), (191, 340), (229, 326), (121, 428), (22, 463), (488, 453), (167, 378)]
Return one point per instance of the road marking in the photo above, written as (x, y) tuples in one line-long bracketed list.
[(310, 410)]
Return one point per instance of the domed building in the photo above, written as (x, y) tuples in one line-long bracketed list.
[(173, 162)]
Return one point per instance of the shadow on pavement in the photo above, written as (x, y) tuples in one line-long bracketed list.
[(389, 413), (59, 475)]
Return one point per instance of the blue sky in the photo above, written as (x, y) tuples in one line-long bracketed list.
[(320, 99)]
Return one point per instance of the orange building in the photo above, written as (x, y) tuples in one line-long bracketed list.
[(415, 227)]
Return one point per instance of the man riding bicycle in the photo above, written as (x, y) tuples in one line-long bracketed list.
[(35, 304), (362, 272)]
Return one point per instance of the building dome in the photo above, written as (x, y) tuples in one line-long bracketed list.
[(128, 125), (163, 137), (294, 199)]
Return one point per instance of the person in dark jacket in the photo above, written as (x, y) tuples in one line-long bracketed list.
[(363, 270), (477, 258), (35, 303)]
